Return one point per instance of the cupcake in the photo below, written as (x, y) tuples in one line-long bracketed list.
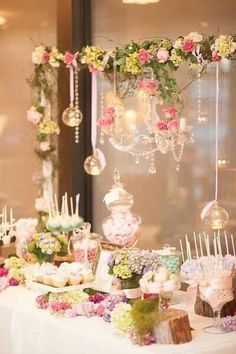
[(75, 279), (59, 280), (47, 279)]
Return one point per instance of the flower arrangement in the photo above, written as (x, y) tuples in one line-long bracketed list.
[(11, 273), (121, 318), (128, 265), (45, 245)]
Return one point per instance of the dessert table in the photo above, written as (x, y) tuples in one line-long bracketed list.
[(24, 329)]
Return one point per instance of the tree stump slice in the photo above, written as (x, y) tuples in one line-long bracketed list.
[(175, 329), (202, 308)]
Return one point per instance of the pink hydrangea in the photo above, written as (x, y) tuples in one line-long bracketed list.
[(161, 125), (170, 112), (59, 306), (44, 146), (188, 45), (147, 85), (173, 125), (69, 59), (144, 56), (162, 55)]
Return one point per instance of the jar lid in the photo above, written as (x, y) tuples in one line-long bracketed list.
[(118, 196), (168, 251)]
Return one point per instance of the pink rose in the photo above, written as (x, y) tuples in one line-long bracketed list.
[(33, 115), (91, 68), (147, 85), (170, 112), (110, 111), (41, 205), (44, 146), (173, 125), (162, 55), (45, 58), (188, 45), (69, 58), (215, 57), (105, 122), (143, 56), (161, 125)]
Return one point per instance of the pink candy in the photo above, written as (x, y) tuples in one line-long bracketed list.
[(79, 254)]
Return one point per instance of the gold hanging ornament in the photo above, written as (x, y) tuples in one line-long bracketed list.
[(214, 215), (72, 116)]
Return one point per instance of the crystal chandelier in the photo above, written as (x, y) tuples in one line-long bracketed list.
[(163, 132)]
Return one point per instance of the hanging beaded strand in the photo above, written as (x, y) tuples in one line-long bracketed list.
[(102, 99), (200, 117), (76, 76)]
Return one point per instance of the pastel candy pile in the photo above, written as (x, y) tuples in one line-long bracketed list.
[(85, 246), (171, 262)]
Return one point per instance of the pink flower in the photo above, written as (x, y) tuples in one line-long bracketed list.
[(91, 68), (105, 122), (45, 58), (161, 125), (57, 306), (110, 111), (162, 55), (188, 45), (33, 115), (147, 85), (100, 310), (173, 125), (143, 56), (42, 302), (41, 205), (13, 282), (44, 146), (170, 112), (215, 57), (69, 58), (3, 272)]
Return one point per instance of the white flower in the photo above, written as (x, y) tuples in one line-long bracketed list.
[(37, 55), (55, 57), (41, 205), (195, 37), (178, 43)]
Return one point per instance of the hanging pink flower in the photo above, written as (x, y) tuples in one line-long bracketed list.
[(161, 125), (69, 58), (44, 146), (109, 112), (162, 55), (144, 56), (147, 85), (188, 45), (173, 125), (215, 57), (33, 115), (105, 122), (91, 68), (170, 112)]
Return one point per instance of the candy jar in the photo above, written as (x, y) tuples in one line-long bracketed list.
[(170, 258), (121, 227), (85, 245)]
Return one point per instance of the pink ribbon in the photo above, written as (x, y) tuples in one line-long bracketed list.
[(71, 86), (97, 152)]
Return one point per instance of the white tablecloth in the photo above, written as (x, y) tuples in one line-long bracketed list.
[(26, 330)]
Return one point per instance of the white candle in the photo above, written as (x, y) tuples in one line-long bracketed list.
[(208, 246), (71, 206)]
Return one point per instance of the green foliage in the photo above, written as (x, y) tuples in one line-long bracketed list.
[(145, 315)]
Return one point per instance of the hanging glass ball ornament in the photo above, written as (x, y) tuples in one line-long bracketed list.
[(72, 116), (217, 217), (93, 165)]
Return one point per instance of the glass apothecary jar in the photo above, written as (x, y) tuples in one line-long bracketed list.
[(170, 258), (121, 227), (85, 245)]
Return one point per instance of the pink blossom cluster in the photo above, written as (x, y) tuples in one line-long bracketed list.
[(70, 59), (59, 306), (162, 55), (6, 280), (42, 302), (171, 123), (143, 56), (148, 85), (107, 120)]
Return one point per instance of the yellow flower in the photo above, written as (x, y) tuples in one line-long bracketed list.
[(93, 56), (132, 64), (225, 46), (175, 58), (48, 127)]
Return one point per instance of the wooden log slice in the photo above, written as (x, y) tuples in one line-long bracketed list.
[(202, 308), (174, 328)]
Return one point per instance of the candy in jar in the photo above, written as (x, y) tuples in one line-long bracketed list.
[(121, 227)]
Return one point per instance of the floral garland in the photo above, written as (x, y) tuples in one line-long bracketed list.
[(149, 67)]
